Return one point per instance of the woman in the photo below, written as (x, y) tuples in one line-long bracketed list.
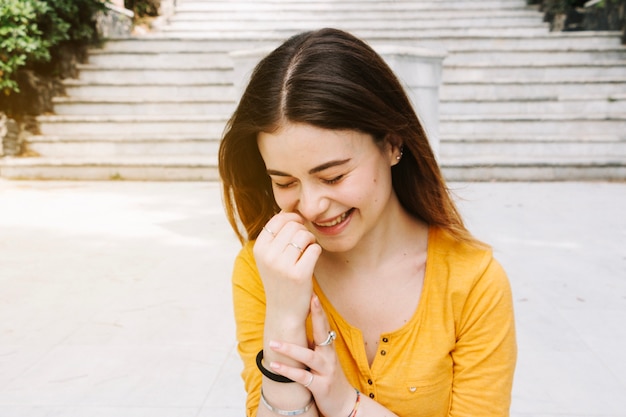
[(358, 291)]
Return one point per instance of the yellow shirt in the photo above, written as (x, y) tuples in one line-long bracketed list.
[(455, 357)]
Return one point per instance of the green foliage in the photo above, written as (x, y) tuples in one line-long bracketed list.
[(31, 31), (605, 3), (21, 40), (70, 20)]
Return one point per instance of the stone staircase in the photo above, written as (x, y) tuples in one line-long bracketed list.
[(517, 102)]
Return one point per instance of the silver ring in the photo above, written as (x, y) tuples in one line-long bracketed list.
[(330, 339), (269, 231), (296, 246), (310, 381)]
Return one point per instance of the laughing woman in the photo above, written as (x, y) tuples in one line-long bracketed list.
[(358, 290)]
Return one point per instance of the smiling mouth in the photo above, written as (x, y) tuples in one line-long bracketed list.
[(337, 220)]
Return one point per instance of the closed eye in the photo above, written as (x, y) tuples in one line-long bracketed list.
[(284, 185), (334, 180)]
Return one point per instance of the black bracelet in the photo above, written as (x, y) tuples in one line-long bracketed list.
[(270, 375)]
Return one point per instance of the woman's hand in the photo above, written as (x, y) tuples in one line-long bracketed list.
[(286, 254), (334, 396)]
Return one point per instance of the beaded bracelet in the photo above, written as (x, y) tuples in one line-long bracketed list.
[(270, 375), (356, 404), (286, 412)]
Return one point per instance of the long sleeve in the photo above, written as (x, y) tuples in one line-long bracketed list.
[(249, 306), (485, 352)]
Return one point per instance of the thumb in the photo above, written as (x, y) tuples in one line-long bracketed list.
[(319, 321)]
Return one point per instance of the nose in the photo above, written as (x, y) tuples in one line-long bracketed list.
[(312, 202)]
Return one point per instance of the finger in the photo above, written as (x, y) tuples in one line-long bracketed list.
[(308, 258), (290, 242), (278, 232), (321, 327), (299, 354), (300, 240), (299, 375), (276, 223)]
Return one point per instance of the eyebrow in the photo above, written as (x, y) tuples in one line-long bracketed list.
[(312, 171)]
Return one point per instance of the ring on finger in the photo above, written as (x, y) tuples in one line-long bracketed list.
[(296, 246), (309, 382), (267, 229), (330, 339)]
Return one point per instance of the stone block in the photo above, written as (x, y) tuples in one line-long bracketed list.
[(419, 70), (9, 136), (115, 22)]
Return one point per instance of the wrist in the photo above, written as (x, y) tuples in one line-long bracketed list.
[(294, 305), (286, 322), (354, 403), (283, 331)]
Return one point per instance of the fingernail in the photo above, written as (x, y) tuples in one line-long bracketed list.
[(316, 301), (274, 344), (274, 365)]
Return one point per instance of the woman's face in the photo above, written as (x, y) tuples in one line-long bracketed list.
[(339, 181)]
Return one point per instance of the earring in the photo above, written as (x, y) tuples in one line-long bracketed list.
[(399, 157)]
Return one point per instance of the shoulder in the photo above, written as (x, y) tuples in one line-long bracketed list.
[(246, 255), (245, 258), (456, 256), (462, 267), (469, 284)]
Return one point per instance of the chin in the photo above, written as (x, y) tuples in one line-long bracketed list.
[(336, 245)]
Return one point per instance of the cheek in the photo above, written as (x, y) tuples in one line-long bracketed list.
[(380, 186), (357, 193)]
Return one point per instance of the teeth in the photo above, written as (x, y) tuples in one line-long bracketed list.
[(334, 221)]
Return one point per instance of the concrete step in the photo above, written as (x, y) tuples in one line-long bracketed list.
[(536, 71), (214, 42), (351, 23), (123, 145), (531, 146), (546, 56), (594, 104), (366, 33), (158, 42), (282, 2), (124, 125), (81, 89), (550, 41), (180, 75), (579, 125), (361, 2), (495, 90), (141, 106), (346, 6), (147, 59), (331, 17), (174, 168), (533, 169)]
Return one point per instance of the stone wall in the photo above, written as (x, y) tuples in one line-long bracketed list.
[(114, 22), (9, 136)]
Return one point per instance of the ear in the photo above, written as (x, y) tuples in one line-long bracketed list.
[(393, 146)]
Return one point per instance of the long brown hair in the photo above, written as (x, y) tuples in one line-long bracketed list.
[(332, 80)]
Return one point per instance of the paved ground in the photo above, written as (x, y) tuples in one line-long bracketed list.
[(115, 297)]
